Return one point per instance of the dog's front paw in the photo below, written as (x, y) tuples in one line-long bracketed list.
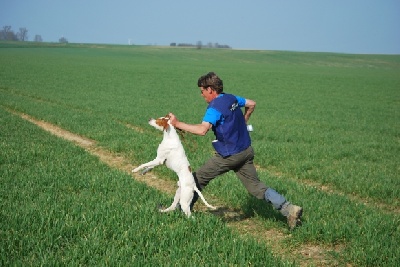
[(135, 169)]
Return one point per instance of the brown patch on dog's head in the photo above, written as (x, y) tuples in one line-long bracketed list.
[(163, 122)]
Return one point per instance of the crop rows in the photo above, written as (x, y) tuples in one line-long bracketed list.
[(326, 136)]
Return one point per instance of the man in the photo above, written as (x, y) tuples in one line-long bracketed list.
[(232, 144)]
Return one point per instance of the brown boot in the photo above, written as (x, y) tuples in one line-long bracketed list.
[(293, 214)]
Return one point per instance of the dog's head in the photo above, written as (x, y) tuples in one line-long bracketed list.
[(161, 123)]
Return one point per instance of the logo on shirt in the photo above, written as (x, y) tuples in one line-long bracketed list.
[(234, 106)]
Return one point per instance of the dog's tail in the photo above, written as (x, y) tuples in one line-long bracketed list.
[(203, 199)]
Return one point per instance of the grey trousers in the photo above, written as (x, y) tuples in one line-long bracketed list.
[(243, 166)]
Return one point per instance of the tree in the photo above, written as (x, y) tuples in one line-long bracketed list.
[(7, 34), (199, 45), (4, 32), (22, 34), (38, 38), (63, 40)]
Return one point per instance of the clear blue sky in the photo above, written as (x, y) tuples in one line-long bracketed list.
[(344, 26)]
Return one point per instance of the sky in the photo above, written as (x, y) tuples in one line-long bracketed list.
[(338, 26)]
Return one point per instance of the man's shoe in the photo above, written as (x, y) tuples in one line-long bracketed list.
[(295, 213)]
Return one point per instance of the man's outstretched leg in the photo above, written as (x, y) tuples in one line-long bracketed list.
[(292, 212)]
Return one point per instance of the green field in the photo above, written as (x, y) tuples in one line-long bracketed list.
[(326, 135)]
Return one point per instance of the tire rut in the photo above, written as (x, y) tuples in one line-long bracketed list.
[(303, 255)]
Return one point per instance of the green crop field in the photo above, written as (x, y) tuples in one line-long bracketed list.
[(326, 135)]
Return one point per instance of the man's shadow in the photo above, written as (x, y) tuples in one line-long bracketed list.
[(252, 207), (257, 207)]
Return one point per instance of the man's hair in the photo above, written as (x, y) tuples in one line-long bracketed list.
[(211, 80)]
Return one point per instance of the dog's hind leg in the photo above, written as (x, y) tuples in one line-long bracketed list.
[(175, 203), (186, 198)]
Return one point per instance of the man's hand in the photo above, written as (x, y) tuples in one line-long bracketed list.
[(199, 129), (249, 108), (172, 119)]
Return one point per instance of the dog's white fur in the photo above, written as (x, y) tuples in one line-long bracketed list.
[(171, 152)]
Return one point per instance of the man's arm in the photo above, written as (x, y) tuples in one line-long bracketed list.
[(249, 108), (199, 129)]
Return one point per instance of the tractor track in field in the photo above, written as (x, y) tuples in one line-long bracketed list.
[(274, 239), (330, 190)]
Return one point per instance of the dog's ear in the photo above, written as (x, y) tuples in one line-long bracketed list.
[(165, 124)]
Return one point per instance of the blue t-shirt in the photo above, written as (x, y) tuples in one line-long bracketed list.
[(213, 116)]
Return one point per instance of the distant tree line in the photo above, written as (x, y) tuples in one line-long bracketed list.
[(200, 45), (7, 34)]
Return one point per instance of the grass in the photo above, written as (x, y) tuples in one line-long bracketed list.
[(61, 206), (326, 136)]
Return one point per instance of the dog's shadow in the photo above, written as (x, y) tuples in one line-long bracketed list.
[(251, 208)]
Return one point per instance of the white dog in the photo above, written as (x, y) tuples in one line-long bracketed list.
[(171, 153)]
